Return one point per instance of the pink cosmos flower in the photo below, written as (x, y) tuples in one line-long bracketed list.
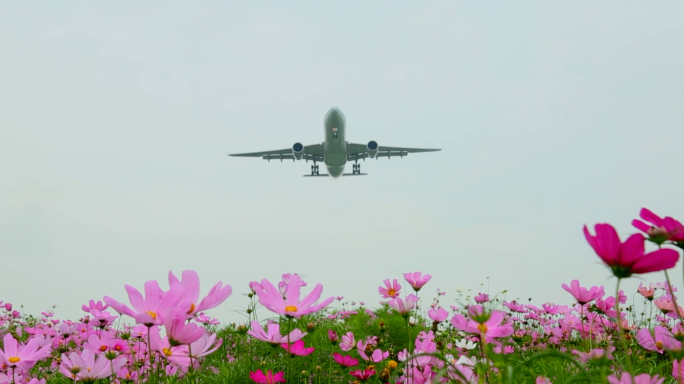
[(101, 319), (190, 280), (491, 328), (481, 298), (678, 370), (273, 335), (297, 348), (389, 290), (660, 230), (417, 280), (149, 310), (608, 307), (595, 354), (376, 357), (646, 292), (270, 297), (420, 375), (85, 367), (204, 319), (92, 304), (346, 361), (101, 343), (348, 342), (23, 356), (663, 340), (363, 375), (268, 378), (332, 336), (628, 258), (664, 303), (403, 306), (581, 294), (626, 378), (203, 346), (283, 284), (179, 330), (438, 314)]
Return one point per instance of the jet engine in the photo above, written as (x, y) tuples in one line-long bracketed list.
[(298, 151), (372, 148)]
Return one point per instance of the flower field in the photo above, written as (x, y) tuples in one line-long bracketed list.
[(166, 335)]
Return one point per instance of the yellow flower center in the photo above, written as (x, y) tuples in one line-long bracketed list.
[(153, 314), (391, 292), (14, 359), (392, 364), (290, 308), (167, 351), (192, 309), (482, 328), (103, 348), (659, 345)]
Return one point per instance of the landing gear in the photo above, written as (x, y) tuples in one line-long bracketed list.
[(314, 170), (356, 170)]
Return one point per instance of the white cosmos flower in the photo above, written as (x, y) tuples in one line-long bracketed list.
[(463, 360), (463, 344)]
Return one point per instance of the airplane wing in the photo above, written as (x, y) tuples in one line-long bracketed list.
[(359, 151), (311, 152)]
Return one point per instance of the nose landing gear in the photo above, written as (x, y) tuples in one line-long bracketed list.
[(356, 170)]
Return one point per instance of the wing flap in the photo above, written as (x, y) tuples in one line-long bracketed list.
[(312, 152), (359, 151)]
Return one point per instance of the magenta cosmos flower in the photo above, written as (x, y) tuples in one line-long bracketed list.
[(270, 297), (363, 375), (581, 294), (346, 361), (266, 378), (15, 355), (659, 230), (628, 258), (417, 280), (297, 348), (389, 291)]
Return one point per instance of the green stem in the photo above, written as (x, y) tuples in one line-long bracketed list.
[(621, 333), (674, 301)]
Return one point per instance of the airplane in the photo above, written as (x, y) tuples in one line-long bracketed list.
[(334, 152)]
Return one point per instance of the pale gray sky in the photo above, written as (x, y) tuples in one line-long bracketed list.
[(116, 118)]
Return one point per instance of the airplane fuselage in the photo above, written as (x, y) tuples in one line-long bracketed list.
[(335, 146)]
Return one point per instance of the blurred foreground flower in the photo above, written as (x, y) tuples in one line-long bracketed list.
[(628, 258)]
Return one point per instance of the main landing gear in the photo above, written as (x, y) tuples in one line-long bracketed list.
[(314, 170), (356, 170)]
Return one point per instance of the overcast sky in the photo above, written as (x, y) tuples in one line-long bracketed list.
[(115, 121)]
